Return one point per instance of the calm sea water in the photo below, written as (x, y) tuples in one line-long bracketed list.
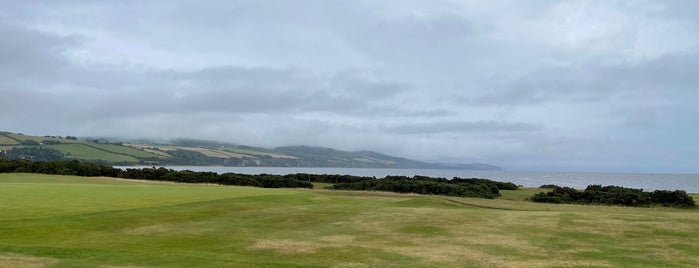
[(648, 182)]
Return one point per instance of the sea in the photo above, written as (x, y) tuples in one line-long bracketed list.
[(579, 180)]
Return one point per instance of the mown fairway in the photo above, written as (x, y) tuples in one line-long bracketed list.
[(62, 221)]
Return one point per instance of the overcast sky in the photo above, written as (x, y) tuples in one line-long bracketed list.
[(527, 85)]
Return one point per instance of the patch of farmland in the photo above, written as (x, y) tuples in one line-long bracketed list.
[(258, 153), (7, 140), (82, 151), (36, 138), (215, 153), (123, 150)]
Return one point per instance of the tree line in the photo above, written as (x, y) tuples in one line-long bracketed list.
[(474, 187), (32, 153), (87, 169), (615, 195), (482, 188)]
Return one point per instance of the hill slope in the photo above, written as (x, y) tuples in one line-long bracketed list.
[(199, 152)]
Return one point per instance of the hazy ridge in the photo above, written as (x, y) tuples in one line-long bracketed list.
[(201, 152)]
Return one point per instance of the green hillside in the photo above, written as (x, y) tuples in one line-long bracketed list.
[(319, 156), (42, 148), (199, 152), (86, 152)]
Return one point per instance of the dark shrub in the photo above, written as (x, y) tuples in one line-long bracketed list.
[(615, 195)]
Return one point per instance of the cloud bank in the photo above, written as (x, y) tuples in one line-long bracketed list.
[(575, 85)]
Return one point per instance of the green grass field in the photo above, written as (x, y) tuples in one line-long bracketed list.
[(81, 151), (64, 221), (123, 150)]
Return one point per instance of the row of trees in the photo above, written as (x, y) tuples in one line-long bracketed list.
[(481, 188), (77, 168), (188, 176), (615, 195)]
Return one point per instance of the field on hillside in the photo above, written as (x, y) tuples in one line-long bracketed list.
[(64, 221), (82, 151), (258, 152), (125, 150), (7, 140)]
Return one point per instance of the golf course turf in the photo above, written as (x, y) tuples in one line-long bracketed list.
[(67, 221)]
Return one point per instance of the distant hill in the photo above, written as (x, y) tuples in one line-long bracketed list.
[(326, 157), (199, 152)]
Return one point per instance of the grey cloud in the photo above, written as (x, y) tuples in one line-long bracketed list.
[(26, 53), (688, 10), (503, 82), (594, 82), (463, 127)]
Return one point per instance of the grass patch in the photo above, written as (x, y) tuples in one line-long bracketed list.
[(261, 153), (34, 138), (82, 151), (7, 140), (213, 152), (68, 221), (125, 150), (521, 193)]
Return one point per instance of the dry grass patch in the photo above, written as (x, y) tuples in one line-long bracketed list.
[(287, 246), (351, 265), (151, 229), (6, 140), (118, 266), (339, 239), (27, 261), (215, 153), (181, 228), (290, 246)]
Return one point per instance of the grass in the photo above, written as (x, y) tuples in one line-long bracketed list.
[(64, 221), (35, 138), (81, 151), (210, 152), (7, 140), (257, 153), (151, 149), (124, 150)]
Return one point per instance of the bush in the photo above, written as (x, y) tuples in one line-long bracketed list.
[(676, 198), (615, 195), (480, 188), (546, 198)]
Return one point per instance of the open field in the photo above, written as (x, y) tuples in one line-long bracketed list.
[(257, 153), (213, 152), (7, 140), (223, 152), (151, 149), (21, 137), (64, 221), (125, 150), (79, 149), (82, 151)]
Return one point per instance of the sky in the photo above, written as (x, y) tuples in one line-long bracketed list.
[(609, 86)]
